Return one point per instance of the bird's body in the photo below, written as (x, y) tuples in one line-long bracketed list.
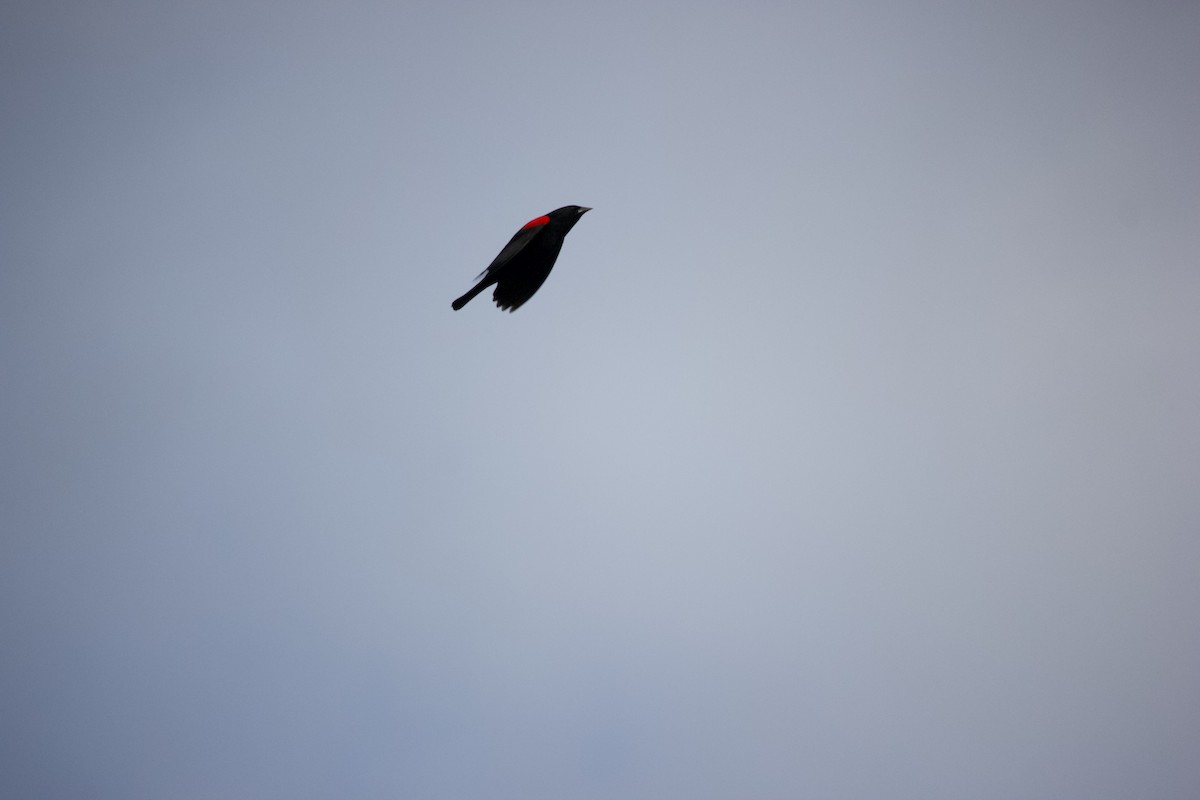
[(525, 262)]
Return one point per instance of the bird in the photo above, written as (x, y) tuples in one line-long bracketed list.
[(523, 265)]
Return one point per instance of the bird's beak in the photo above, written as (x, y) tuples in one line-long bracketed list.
[(583, 210)]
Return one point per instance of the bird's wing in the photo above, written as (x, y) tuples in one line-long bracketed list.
[(515, 245)]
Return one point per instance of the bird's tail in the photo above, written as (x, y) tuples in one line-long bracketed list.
[(466, 298)]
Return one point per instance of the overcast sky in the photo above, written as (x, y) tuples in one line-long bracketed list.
[(852, 449)]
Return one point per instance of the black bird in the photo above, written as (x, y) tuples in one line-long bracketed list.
[(526, 261)]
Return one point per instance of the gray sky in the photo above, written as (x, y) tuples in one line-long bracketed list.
[(850, 451)]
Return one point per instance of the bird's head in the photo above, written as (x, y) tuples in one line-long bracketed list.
[(567, 216)]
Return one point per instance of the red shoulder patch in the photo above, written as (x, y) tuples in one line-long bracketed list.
[(533, 223)]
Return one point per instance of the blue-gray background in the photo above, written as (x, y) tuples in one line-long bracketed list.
[(851, 451)]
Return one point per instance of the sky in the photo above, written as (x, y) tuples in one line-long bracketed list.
[(850, 450)]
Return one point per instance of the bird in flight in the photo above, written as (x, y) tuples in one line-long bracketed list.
[(523, 265)]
